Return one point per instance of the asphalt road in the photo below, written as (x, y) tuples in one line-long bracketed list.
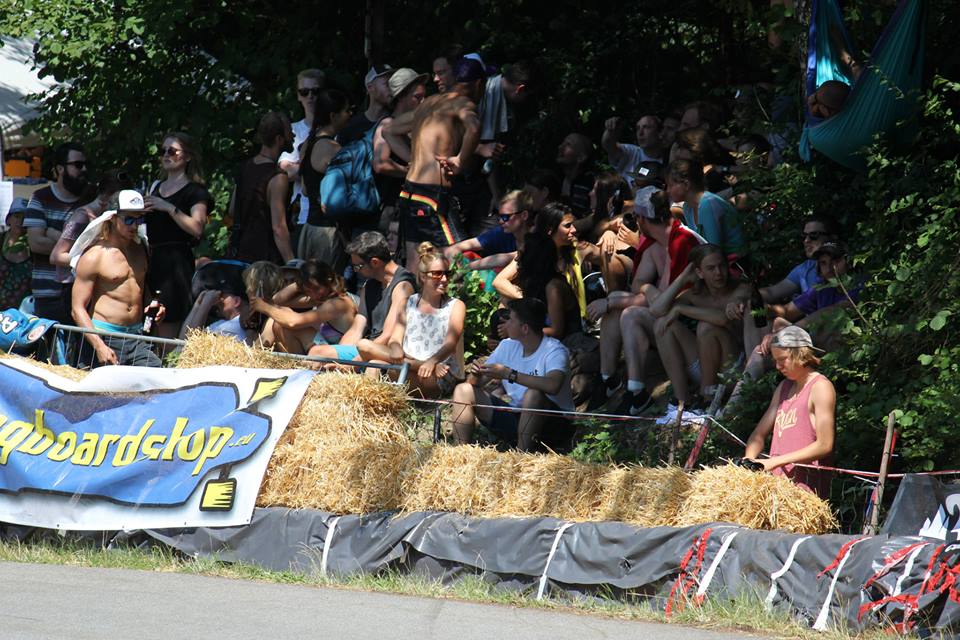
[(52, 601)]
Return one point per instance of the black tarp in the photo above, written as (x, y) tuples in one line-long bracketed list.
[(926, 507), (823, 580)]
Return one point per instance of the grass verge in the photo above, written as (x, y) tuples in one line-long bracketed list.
[(745, 614)]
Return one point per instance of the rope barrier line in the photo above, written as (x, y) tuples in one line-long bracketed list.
[(865, 476)]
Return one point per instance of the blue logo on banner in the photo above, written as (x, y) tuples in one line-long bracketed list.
[(148, 448)]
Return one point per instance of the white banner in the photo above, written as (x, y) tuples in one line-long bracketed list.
[(139, 448)]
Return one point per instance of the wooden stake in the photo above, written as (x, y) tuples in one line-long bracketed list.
[(675, 436), (871, 528)]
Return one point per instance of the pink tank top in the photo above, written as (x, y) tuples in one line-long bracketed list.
[(792, 430)]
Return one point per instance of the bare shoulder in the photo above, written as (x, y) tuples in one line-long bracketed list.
[(822, 387)]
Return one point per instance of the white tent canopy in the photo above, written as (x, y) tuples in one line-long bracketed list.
[(18, 78)]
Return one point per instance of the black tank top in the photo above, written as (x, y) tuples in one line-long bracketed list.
[(251, 237), (311, 177)]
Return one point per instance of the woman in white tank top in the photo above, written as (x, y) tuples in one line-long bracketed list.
[(429, 332)]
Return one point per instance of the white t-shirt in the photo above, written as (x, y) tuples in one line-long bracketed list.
[(300, 132), (630, 158), (551, 355), (228, 328)]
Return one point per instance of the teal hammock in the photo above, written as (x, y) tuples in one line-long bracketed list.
[(885, 94)]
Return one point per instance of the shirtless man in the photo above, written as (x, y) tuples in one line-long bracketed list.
[(109, 290), (704, 293), (444, 131)]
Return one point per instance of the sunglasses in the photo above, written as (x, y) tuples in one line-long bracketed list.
[(813, 235), (79, 164), (132, 220), (437, 275), (312, 91), (170, 151), (358, 265)]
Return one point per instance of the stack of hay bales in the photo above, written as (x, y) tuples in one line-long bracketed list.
[(345, 450), (757, 500), (482, 482)]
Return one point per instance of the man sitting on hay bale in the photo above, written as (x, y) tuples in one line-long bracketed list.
[(533, 371)]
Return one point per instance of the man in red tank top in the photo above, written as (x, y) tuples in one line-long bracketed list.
[(800, 416)]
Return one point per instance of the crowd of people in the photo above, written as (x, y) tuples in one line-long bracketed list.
[(620, 254)]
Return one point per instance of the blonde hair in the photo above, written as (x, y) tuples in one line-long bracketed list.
[(426, 255), (264, 278), (803, 357), (523, 199)]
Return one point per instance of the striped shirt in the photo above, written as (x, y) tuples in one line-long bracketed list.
[(46, 211)]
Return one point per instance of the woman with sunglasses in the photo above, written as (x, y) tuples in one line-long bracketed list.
[(428, 334), (178, 206)]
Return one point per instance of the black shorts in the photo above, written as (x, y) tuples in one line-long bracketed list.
[(556, 433), (424, 215)]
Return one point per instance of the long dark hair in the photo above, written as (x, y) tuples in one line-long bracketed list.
[(323, 274), (329, 102), (537, 265), (548, 221), (610, 185)]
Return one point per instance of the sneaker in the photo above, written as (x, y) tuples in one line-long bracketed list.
[(603, 390), (634, 403)]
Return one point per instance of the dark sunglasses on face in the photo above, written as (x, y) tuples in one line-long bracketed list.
[(312, 91), (358, 265), (813, 235), (79, 164), (437, 275), (132, 220), (169, 151)]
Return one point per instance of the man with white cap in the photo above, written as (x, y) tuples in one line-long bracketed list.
[(626, 323), (110, 259), (378, 105), (800, 417), (407, 90)]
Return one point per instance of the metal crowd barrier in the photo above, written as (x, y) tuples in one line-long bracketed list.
[(80, 354)]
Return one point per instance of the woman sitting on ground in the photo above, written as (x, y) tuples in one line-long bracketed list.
[(428, 334), (294, 331), (715, 219), (555, 221), (704, 293), (800, 415), (539, 276)]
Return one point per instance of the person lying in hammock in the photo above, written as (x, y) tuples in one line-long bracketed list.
[(829, 98)]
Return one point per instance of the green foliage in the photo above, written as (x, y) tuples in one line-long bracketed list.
[(481, 301), (900, 350)]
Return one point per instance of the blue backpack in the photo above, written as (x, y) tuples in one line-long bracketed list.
[(348, 190)]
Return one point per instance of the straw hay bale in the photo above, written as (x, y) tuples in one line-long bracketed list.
[(466, 479), (756, 500), (60, 369), (645, 497), (343, 475), (552, 485), (205, 349)]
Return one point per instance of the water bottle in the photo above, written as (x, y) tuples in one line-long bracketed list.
[(150, 317)]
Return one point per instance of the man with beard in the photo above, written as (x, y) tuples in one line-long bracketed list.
[(47, 212), (258, 205)]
